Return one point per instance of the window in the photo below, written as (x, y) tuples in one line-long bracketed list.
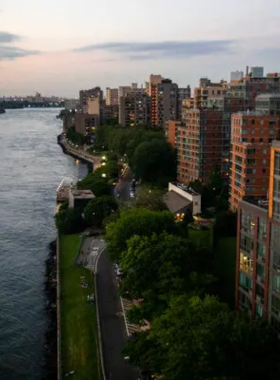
[(261, 250), (276, 283), (275, 304), (245, 282), (246, 263), (261, 271), (259, 311), (264, 161)]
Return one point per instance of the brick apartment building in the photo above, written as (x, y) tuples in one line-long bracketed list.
[(86, 125), (252, 134), (135, 110), (258, 250), (198, 143)]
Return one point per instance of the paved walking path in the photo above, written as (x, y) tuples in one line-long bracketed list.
[(113, 327), (91, 248)]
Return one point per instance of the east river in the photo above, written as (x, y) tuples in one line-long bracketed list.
[(31, 167)]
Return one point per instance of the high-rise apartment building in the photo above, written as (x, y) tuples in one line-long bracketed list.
[(183, 93), (166, 102), (91, 93), (198, 143), (134, 110), (252, 134), (129, 90), (257, 288), (154, 81), (269, 104), (112, 96), (206, 89)]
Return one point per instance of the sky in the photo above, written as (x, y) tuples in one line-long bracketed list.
[(58, 47)]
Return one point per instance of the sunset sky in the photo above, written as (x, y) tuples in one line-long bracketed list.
[(57, 47)]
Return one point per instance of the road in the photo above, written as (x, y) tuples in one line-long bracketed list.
[(123, 186), (112, 324)]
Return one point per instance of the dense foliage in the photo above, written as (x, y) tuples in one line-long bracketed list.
[(140, 222), (68, 220), (149, 199), (154, 162), (98, 209), (213, 192), (202, 339), (160, 266), (74, 136), (94, 182)]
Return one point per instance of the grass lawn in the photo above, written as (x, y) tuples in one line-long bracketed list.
[(225, 260), (201, 236), (79, 333)]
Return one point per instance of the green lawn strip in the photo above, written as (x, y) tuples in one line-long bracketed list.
[(201, 236), (225, 266), (79, 333)]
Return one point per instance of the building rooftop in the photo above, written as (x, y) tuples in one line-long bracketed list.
[(276, 144), (268, 96), (185, 188), (175, 202), (251, 113), (261, 202)]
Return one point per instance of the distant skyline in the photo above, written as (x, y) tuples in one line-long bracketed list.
[(60, 47)]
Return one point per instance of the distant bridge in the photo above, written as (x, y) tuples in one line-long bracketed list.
[(25, 104)]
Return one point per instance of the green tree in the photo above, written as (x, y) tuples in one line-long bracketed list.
[(145, 352), (154, 162), (74, 136), (202, 339), (150, 199), (140, 222), (69, 221), (94, 182), (157, 267), (98, 209)]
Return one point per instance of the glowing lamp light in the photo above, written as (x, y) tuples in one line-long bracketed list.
[(104, 175)]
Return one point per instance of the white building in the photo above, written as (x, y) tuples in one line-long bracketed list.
[(181, 199)]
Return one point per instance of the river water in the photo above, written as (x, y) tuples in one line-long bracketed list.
[(32, 165)]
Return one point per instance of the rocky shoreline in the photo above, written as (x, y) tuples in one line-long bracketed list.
[(50, 365)]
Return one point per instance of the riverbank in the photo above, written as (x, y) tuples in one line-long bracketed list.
[(79, 331), (51, 317), (80, 154)]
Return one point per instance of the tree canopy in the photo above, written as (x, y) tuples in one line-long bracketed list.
[(94, 182), (68, 220), (159, 266), (98, 209), (140, 222), (155, 162), (202, 339), (149, 199)]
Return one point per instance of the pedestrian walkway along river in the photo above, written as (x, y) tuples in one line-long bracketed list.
[(31, 167)]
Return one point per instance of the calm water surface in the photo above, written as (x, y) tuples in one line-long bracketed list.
[(31, 167)]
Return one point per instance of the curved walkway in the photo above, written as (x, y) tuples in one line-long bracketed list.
[(112, 323)]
